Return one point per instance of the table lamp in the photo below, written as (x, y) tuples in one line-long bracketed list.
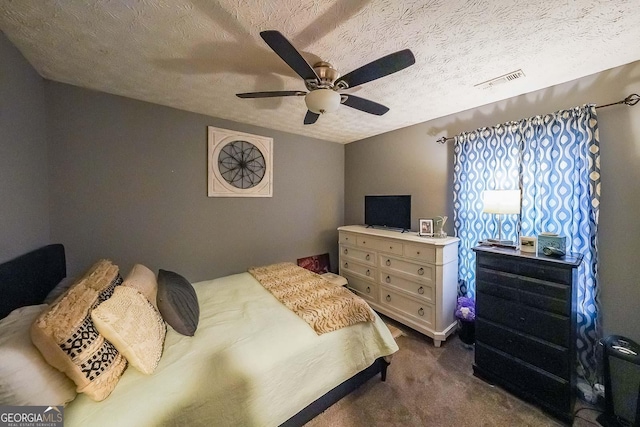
[(501, 202)]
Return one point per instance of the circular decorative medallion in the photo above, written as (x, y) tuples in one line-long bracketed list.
[(241, 164)]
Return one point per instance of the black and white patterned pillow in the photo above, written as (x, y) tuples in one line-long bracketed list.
[(69, 341)]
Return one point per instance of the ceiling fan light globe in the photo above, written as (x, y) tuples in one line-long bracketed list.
[(322, 101)]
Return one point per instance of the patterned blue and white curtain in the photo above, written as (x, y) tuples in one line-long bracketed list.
[(555, 160)]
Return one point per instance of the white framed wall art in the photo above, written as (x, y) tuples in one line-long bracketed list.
[(239, 164)]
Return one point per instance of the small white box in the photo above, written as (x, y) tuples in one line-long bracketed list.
[(334, 279)]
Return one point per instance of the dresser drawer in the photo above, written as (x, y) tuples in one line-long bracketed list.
[(497, 277), (420, 252), (551, 358), (546, 288), (419, 311), (366, 271), (547, 326), (364, 257), (540, 270), (548, 388), (499, 263), (497, 283), (390, 246), (345, 238), (546, 296), (546, 271), (415, 269), (421, 290), (363, 288), (553, 305), (491, 288)]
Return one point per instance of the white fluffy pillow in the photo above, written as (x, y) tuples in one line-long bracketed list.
[(26, 379), (144, 280), (134, 326), (59, 289)]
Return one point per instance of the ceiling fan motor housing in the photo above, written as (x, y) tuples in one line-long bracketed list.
[(327, 75)]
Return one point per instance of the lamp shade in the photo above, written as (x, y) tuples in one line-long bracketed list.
[(321, 101), (501, 201)]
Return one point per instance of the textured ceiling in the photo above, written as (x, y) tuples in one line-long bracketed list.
[(196, 54)]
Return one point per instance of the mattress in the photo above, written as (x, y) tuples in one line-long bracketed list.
[(252, 362)]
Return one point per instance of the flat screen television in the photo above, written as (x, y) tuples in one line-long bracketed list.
[(388, 211)]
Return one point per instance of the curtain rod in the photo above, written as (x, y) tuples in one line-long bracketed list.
[(630, 100)]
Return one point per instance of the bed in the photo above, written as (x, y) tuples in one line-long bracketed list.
[(252, 361)]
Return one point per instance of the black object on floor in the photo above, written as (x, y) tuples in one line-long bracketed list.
[(621, 361), (467, 332)]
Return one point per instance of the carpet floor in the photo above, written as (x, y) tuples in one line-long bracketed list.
[(429, 386)]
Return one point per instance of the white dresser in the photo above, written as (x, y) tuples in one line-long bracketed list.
[(409, 278)]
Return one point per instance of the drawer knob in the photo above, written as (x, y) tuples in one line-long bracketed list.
[(368, 273), (421, 271), (522, 319), (368, 257), (421, 311), (346, 251), (388, 262), (364, 243), (388, 298), (418, 253), (388, 279), (390, 247), (368, 289), (421, 290), (346, 265)]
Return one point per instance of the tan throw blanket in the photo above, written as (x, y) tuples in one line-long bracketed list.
[(324, 306)]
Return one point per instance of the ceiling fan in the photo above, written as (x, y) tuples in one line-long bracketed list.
[(324, 83)]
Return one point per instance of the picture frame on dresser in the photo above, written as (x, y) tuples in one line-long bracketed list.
[(528, 244), (425, 227)]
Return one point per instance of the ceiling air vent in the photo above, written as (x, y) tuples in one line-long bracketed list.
[(514, 75)]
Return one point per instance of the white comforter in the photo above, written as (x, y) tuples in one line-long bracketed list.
[(252, 362)]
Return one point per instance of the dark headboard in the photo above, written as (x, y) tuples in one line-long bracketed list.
[(27, 279)]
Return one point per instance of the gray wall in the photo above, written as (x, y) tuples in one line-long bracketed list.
[(411, 161), (24, 206), (405, 161), (129, 183)]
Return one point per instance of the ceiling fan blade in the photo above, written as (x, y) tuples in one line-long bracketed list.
[(364, 105), (379, 68), (271, 94), (289, 54), (310, 118)]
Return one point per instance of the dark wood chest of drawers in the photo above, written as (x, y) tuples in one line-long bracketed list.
[(525, 325)]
